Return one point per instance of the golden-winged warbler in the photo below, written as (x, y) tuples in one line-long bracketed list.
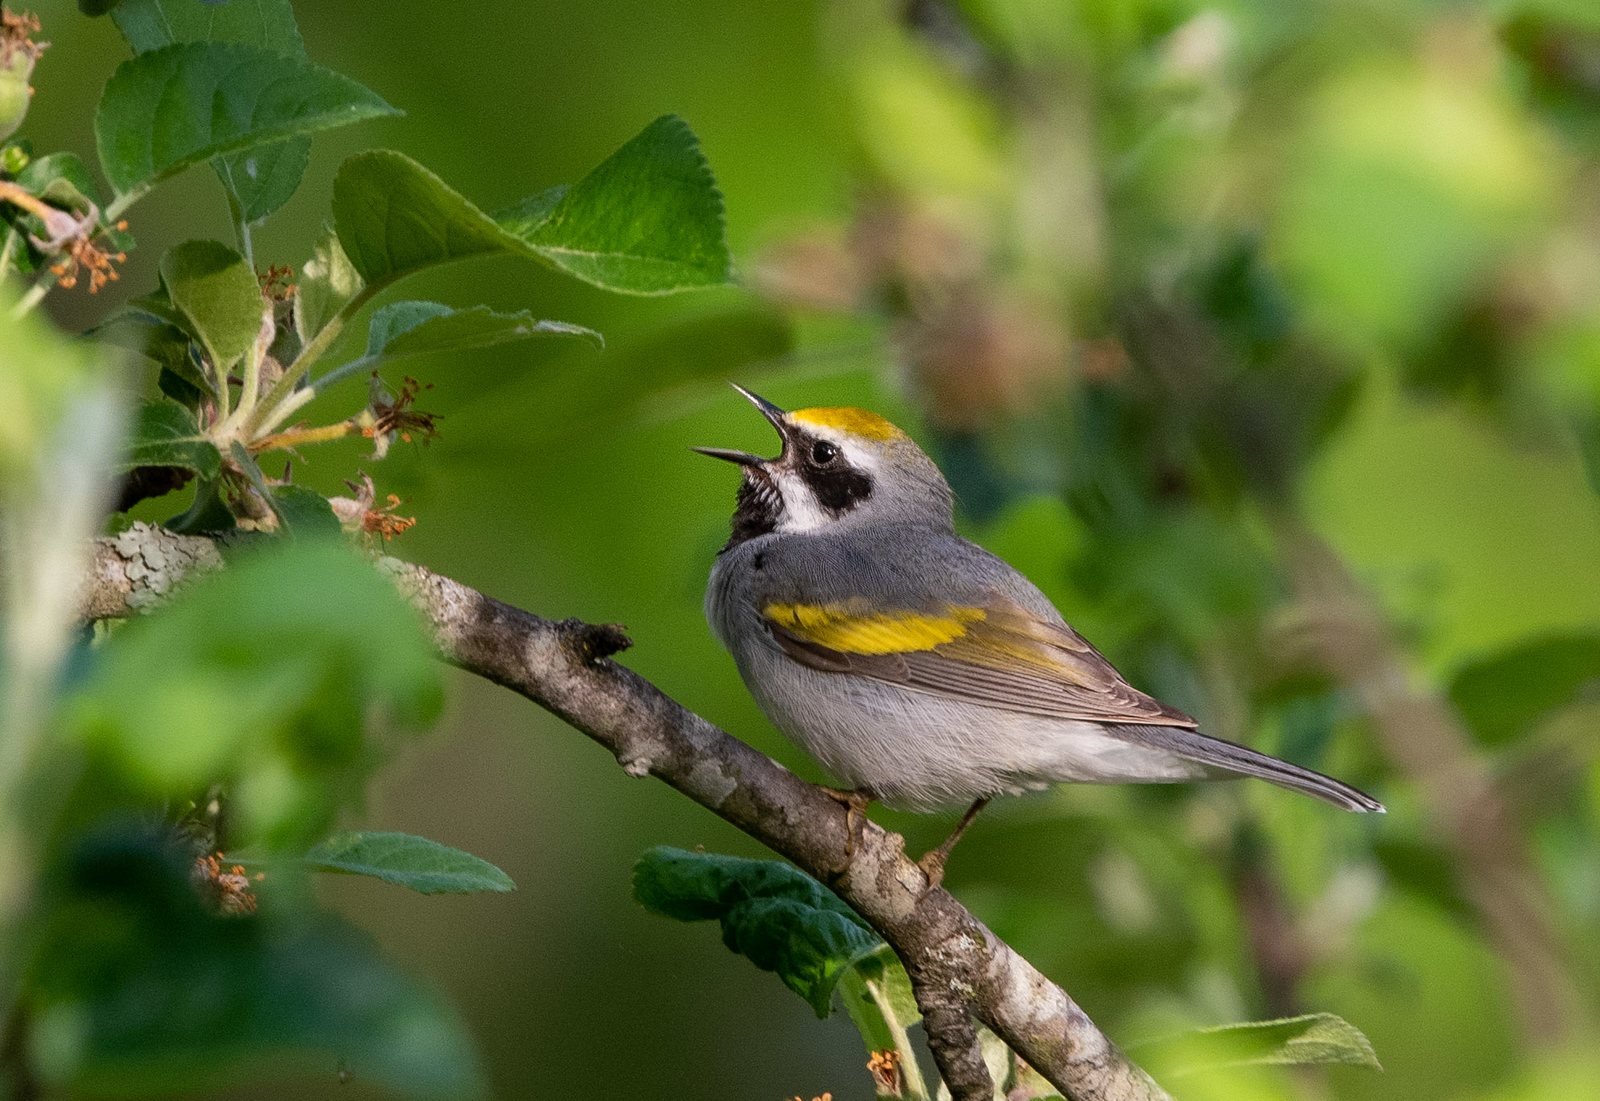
[(916, 667)]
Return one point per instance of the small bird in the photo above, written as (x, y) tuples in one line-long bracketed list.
[(916, 667)]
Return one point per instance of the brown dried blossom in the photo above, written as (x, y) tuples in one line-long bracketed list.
[(227, 885)]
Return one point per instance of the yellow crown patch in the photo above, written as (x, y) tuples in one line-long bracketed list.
[(858, 422)]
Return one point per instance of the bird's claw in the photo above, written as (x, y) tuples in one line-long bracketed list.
[(855, 803)]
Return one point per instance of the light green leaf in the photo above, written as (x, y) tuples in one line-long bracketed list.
[(395, 217), (522, 218), (217, 293), (61, 180), (1315, 1038), (410, 861), (173, 107), (260, 180), (165, 434), (261, 676), (772, 913), (327, 281), (412, 328), (649, 220)]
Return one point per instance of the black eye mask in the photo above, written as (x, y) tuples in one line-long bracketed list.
[(839, 486)]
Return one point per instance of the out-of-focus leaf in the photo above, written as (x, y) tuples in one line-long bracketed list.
[(413, 328), (416, 862), (215, 290), (97, 7), (166, 435), (1405, 186), (1502, 695), (648, 220), (772, 913), (207, 99), (1315, 1038), (138, 990), (327, 282), (261, 179), (263, 676)]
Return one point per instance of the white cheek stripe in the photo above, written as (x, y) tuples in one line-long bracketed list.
[(802, 512)]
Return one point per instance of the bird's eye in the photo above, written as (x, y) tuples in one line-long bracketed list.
[(823, 452)]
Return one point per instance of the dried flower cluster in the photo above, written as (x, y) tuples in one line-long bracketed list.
[(228, 886)]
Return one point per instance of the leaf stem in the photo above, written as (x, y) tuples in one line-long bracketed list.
[(41, 287), (8, 252), (297, 436), (309, 355), (241, 226)]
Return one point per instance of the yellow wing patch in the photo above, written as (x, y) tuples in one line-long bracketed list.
[(849, 419), (850, 629)]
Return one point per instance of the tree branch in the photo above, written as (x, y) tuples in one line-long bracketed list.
[(957, 966)]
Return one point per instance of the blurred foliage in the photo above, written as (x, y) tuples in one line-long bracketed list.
[(1264, 337)]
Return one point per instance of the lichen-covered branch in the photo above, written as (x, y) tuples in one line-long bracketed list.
[(957, 966)]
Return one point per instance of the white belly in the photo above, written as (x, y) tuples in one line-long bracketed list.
[(918, 751)]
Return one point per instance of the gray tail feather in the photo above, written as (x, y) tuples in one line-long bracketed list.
[(1216, 753)]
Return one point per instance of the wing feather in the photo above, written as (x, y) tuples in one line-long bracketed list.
[(998, 654)]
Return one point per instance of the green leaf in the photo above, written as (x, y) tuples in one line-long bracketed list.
[(139, 990), (165, 434), (394, 217), (412, 328), (410, 861), (262, 676), (215, 290), (649, 220), (772, 913), (61, 180), (96, 7), (1315, 1038), (522, 218), (173, 107), (327, 282), (151, 24), (303, 513), (259, 180), (1502, 695), (156, 338)]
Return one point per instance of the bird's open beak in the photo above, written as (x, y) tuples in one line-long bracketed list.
[(775, 417)]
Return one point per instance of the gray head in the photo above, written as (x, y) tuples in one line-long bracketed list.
[(839, 467)]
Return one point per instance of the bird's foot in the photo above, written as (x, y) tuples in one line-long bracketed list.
[(933, 861), (855, 802)]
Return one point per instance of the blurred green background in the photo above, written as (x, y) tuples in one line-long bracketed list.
[(1264, 337)]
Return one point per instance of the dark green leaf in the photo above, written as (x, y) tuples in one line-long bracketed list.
[(215, 290), (138, 990), (165, 434), (412, 328), (96, 7), (1315, 1038), (303, 513), (425, 866), (649, 220), (206, 99), (772, 913), (259, 180), (157, 339), (151, 24), (1502, 695), (395, 217), (1427, 872)]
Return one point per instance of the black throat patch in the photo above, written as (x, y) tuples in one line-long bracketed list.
[(755, 511)]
